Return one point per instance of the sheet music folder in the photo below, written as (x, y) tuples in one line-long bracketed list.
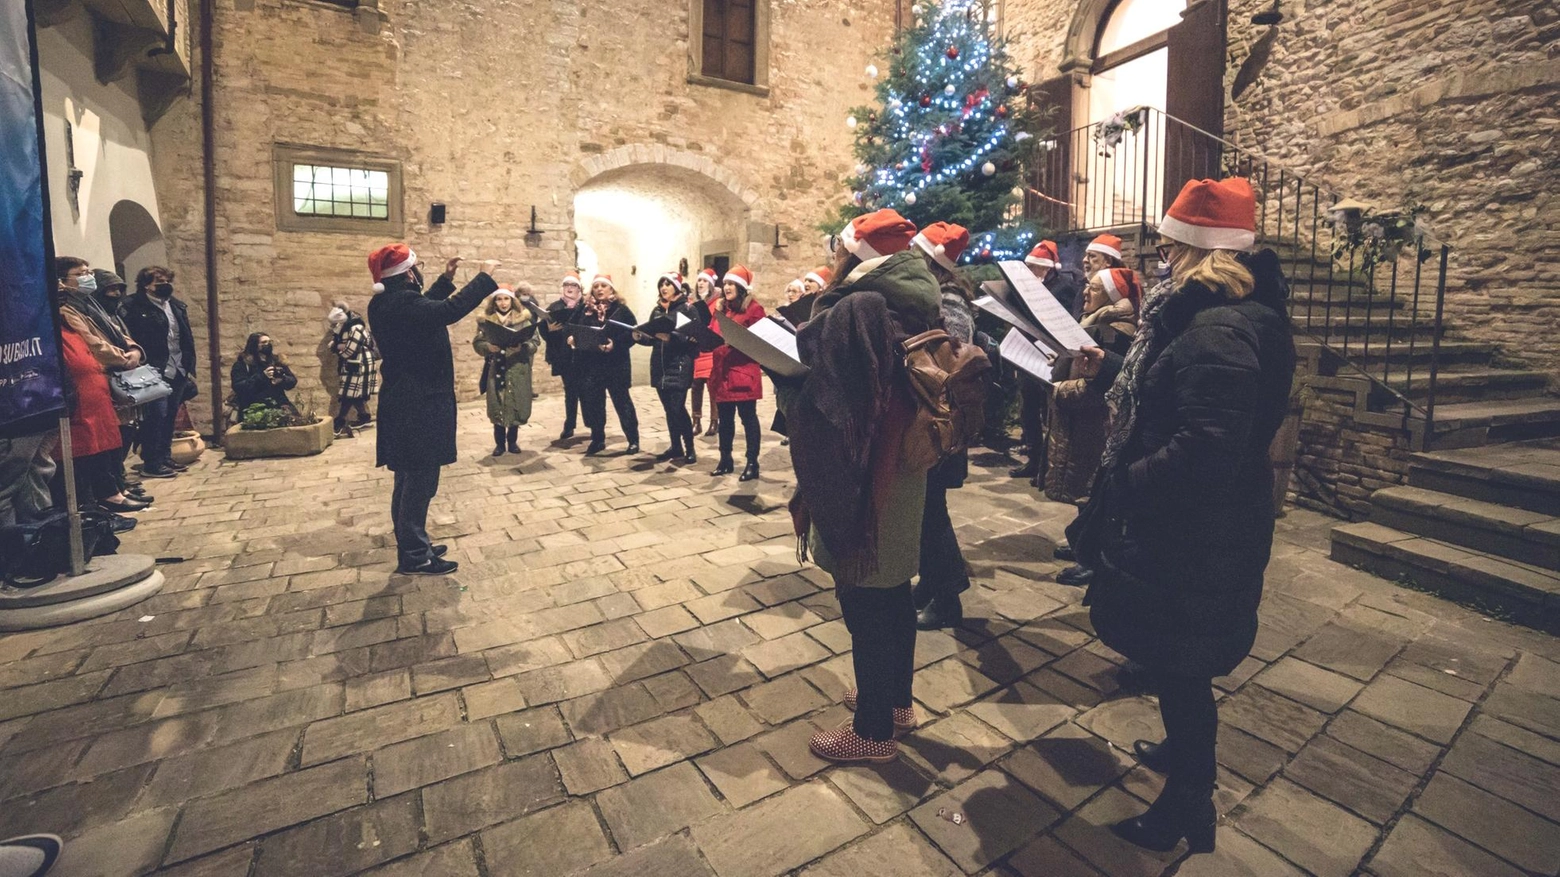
[(767, 343)]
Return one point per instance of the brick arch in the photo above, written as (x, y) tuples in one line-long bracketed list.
[(1083, 31), (639, 155)]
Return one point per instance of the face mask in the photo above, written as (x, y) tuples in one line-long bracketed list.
[(163, 290), (86, 283), (265, 350), (1162, 270), (416, 277)]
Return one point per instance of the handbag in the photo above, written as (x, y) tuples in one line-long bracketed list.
[(138, 386), (33, 554)]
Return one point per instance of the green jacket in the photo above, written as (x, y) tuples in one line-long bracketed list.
[(913, 295)]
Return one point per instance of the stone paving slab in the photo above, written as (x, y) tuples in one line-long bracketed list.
[(622, 679)]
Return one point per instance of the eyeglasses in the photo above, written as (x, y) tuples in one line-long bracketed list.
[(834, 244)]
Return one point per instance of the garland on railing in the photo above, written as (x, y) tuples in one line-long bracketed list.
[(1375, 236), (1109, 133)]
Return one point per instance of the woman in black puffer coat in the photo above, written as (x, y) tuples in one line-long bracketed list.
[(1179, 525), (671, 366)]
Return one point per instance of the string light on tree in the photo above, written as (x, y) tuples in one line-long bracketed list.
[(947, 140)]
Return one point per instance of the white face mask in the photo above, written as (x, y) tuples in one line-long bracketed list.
[(86, 283)]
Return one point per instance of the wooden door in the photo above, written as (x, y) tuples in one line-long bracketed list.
[(1195, 96), (1050, 172)]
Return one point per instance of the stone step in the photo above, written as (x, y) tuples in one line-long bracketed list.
[(1398, 353), (1513, 533), (1474, 424), (1357, 325), (1524, 475), (1530, 595), (1316, 302), (1456, 384)]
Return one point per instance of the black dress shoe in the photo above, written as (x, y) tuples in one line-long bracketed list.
[(1064, 553), (1164, 824), (595, 448), (940, 613), (690, 458), (120, 523), (157, 472), (567, 434), (514, 447), (498, 451), (633, 448), (177, 467), (128, 505), (433, 566), (669, 454), (1028, 470), (725, 467), (1154, 756), (749, 472), (1075, 575)]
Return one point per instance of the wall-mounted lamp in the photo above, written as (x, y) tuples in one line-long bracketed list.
[(778, 244), (436, 213), (534, 229)]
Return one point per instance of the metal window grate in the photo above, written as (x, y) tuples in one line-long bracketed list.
[(357, 193)]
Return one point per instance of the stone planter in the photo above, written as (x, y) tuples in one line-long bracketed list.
[(187, 447), (289, 441)]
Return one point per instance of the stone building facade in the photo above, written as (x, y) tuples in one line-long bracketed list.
[(493, 110)]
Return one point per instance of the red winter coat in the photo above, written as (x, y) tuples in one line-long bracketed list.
[(734, 377), (94, 426)]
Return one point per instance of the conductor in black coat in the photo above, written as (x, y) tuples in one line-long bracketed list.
[(416, 433), (1179, 524)]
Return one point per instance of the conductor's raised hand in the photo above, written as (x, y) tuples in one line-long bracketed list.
[(489, 266), (450, 266), (606, 346)]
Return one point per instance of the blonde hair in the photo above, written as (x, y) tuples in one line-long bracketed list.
[(1215, 269)]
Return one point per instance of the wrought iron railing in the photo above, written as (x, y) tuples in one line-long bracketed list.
[(1121, 174)]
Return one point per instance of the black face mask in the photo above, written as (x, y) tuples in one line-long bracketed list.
[(265, 350), (163, 290)]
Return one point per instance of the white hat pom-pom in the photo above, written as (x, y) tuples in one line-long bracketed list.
[(940, 250), (379, 287)]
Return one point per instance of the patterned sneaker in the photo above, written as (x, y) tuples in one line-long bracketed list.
[(843, 745), (905, 719)]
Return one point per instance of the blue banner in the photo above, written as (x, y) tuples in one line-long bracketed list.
[(31, 385)]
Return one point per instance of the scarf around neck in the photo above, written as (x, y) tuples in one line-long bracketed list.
[(1123, 394)]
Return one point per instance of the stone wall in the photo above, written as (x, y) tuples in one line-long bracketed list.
[(492, 108), (1450, 104)]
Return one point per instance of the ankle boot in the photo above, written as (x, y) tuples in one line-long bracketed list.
[(670, 453), (689, 455), (1157, 757), (1176, 814), (513, 437), (726, 465), (749, 472), (498, 441), (939, 613)]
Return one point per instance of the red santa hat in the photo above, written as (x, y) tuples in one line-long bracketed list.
[(710, 275), (880, 233), (572, 277), (820, 275), (388, 261), (603, 278), (944, 241), (1213, 215), (1121, 283), (1044, 255), (1107, 244), (741, 276), (674, 277)]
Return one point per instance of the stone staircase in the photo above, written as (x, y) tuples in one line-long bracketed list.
[(1479, 525)]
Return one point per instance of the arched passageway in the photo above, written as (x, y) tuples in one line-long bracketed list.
[(136, 240)]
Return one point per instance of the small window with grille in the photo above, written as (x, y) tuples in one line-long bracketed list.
[(336, 191)]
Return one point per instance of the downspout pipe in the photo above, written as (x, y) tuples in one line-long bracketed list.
[(208, 139)]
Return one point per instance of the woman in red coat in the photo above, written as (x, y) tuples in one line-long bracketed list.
[(94, 430), (736, 382)]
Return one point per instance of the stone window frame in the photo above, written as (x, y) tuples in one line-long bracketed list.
[(761, 38), (284, 157)]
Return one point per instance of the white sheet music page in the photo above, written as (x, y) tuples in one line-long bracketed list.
[(1054, 318), (993, 305), (778, 336), (1025, 355)]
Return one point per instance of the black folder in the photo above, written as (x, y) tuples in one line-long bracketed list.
[(503, 336)]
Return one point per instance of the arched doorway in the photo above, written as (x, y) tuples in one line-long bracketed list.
[(1131, 57), (136, 240), (638, 221)]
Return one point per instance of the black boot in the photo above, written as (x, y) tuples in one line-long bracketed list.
[(1064, 553), (689, 457), (1028, 470), (940, 613), (726, 466), (498, 441), (1154, 756), (749, 472), (512, 436), (596, 446), (1176, 814), (670, 453), (1075, 575)]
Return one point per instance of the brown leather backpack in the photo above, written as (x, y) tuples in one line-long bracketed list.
[(948, 380)]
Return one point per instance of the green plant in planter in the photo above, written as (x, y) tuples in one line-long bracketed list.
[(260, 416), (1373, 237)]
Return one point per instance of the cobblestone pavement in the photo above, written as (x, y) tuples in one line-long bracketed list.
[(622, 678)]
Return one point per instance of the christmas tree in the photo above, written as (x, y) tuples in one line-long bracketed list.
[(950, 135)]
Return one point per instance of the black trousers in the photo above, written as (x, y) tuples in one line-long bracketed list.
[(1033, 400), (94, 477), (414, 489), (1191, 728), (943, 573), (881, 622), (157, 425), (729, 412), (344, 405), (593, 405), (674, 403), (571, 401)]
